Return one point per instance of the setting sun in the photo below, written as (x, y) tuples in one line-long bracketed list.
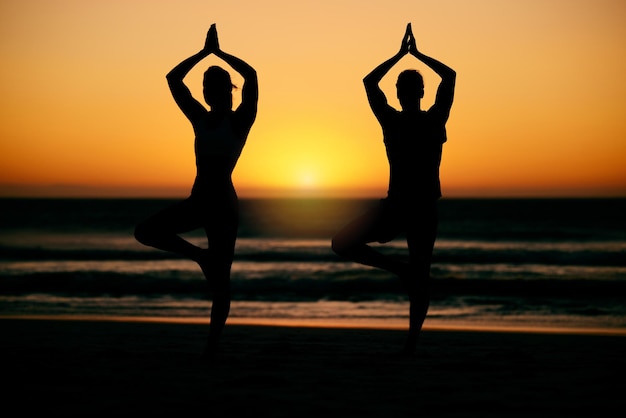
[(307, 179)]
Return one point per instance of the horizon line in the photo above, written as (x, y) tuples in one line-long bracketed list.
[(68, 191)]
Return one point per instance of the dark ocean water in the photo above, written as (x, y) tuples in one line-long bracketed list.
[(497, 262)]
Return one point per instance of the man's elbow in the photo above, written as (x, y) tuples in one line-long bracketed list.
[(369, 83)]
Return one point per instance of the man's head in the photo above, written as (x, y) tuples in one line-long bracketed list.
[(410, 88)]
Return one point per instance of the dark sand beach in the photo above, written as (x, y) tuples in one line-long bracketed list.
[(121, 368)]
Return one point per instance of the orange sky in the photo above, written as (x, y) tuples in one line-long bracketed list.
[(539, 107)]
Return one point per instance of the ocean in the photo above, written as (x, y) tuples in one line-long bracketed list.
[(544, 264)]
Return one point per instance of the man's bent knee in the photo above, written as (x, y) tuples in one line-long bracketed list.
[(143, 234), (340, 246)]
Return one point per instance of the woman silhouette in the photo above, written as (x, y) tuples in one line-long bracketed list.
[(220, 134)]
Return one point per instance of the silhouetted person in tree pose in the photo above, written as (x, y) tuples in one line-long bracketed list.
[(413, 139), (220, 134)]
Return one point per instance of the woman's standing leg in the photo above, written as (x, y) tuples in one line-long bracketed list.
[(221, 230)]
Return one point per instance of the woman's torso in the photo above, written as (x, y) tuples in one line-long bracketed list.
[(218, 146)]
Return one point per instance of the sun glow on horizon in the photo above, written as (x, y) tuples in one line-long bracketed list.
[(307, 179)]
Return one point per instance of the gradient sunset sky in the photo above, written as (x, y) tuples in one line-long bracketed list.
[(540, 105)]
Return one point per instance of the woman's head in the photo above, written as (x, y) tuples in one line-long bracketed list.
[(218, 88), (410, 87)]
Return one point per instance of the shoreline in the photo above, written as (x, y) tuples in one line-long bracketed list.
[(330, 324)]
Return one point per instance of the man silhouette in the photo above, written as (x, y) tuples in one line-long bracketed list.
[(413, 140)]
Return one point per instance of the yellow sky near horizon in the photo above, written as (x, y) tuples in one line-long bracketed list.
[(539, 105)]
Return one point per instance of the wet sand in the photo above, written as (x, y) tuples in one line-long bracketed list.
[(134, 368)]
